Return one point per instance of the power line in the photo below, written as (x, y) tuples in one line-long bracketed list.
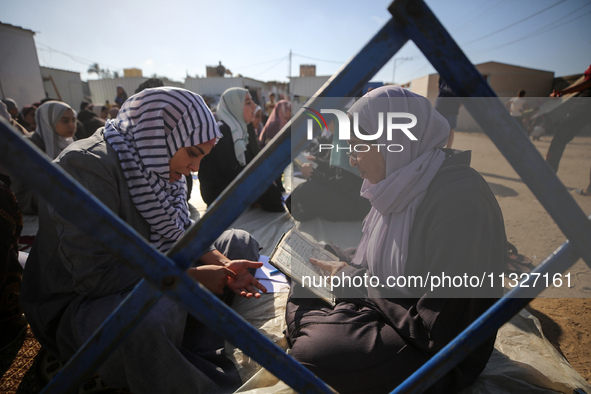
[(77, 59), (471, 19), (273, 66), (261, 63), (513, 24), (544, 29), (402, 60), (320, 60)]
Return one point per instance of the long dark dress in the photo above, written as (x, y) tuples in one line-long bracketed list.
[(372, 344)]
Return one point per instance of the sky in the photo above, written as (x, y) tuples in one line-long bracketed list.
[(254, 38)]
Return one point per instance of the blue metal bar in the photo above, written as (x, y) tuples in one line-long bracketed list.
[(106, 339), (485, 326), (81, 208), (271, 161), (171, 280), (420, 24), (353, 68), (430, 36)]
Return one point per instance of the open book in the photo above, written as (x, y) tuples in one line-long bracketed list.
[(292, 257), (301, 159)]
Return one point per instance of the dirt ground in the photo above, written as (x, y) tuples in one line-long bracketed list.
[(566, 321)]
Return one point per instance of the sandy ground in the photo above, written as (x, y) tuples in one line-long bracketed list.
[(567, 320)]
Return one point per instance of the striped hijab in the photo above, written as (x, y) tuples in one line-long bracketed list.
[(149, 129)]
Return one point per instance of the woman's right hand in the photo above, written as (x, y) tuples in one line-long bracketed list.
[(213, 277), (307, 170), (332, 267)]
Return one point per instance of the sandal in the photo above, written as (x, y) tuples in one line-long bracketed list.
[(515, 262), (584, 192)]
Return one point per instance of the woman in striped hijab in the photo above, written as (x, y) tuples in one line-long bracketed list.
[(137, 166)]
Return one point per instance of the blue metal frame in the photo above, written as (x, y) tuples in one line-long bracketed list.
[(164, 275)]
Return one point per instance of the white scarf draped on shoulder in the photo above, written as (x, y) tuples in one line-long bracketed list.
[(230, 111)]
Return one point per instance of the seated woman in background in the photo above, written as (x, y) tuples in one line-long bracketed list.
[(430, 213), (12, 320), (27, 117), (55, 128), (256, 126), (234, 151), (121, 96), (278, 118), (137, 166)]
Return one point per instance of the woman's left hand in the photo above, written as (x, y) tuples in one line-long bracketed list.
[(331, 266), (244, 284)]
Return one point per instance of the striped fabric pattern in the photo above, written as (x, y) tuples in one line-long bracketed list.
[(150, 128)]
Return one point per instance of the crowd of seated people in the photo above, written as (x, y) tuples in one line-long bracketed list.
[(138, 158)]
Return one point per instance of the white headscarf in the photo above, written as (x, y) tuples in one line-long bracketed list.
[(46, 117), (230, 111), (383, 248), (150, 128)]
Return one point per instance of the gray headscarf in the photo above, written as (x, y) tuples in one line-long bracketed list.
[(46, 117), (384, 244)]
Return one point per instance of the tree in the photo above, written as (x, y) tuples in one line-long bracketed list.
[(94, 69)]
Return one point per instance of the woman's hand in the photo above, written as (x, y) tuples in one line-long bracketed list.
[(307, 170), (332, 267), (213, 277), (242, 282)]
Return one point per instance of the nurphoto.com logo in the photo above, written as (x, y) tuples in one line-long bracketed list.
[(389, 123)]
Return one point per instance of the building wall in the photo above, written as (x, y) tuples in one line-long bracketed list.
[(307, 70), (505, 80), (63, 85), (132, 72), (20, 75), (306, 86), (213, 86), (103, 90), (421, 85)]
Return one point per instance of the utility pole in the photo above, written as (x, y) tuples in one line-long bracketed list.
[(396, 59), (289, 73)]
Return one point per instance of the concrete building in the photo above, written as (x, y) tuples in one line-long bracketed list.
[(63, 85), (20, 75), (103, 90), (211, 88), (132, 72), (505, 79), (306, 86), (307, 70)]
